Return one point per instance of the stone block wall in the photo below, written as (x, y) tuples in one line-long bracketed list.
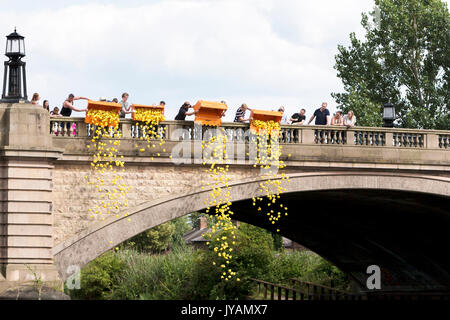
[(72, 197)]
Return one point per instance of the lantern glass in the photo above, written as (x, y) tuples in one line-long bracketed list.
[(15, 46), (388, 112)]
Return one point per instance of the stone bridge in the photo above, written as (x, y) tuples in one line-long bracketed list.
[(358, 196)]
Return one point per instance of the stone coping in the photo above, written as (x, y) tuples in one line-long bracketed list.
[(284, 126)]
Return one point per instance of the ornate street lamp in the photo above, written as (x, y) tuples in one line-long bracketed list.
[(388, 115), (14, 70)]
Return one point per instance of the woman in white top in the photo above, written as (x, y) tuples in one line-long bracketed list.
[(349, 119)]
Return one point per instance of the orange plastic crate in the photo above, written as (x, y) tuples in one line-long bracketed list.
[(264, 115), (101, 105), (209, 113), (141, 106)]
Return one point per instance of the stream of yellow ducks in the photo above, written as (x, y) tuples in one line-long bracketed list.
[(149, 120), (105, 142), (268, 159), (223, 233)]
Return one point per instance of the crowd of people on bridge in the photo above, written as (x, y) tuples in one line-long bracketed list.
[(321, 115)]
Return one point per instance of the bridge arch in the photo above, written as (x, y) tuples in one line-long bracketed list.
[(92, 242)]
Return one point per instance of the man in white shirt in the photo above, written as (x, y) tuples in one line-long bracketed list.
[(125, 107)]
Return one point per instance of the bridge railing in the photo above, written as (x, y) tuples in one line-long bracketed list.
[(303, 290), (268, 290), (317, 290), (290, 134)]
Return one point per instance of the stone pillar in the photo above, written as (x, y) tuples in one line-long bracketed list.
[(26, 220), (126, 130), (308, 136), (389, 139), (432, 141)]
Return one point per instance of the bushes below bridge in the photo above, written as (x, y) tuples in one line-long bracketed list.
[(187, 273)]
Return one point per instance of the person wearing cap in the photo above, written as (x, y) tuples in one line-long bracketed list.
[(184, 111)]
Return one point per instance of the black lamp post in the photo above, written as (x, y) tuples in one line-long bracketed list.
[(15, 68), (388, 115)]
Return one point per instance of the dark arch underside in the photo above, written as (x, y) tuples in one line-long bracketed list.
[(399, 222), (405, 233)]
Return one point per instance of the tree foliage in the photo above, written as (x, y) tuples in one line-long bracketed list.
[(154, 240), (181, 226), (405, 58)]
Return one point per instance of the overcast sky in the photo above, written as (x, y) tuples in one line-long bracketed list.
[(265, 53)]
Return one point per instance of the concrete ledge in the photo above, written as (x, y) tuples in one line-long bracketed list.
[(31, 272), (30, 291)]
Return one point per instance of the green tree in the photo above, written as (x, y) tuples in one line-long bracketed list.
[(405, 58), (181, 226), (194, 219), (98, 277), (277, 241), (154, 240)]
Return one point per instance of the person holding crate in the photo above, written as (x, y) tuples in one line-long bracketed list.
[(184, 111)]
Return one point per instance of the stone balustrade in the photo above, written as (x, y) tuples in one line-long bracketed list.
[(290, 134)]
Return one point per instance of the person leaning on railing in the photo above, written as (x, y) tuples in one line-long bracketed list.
[(337, 120), (349, 119), (322, 115), (240, 113), (298, 118), (125, 106), (55, 112), (183, 112)]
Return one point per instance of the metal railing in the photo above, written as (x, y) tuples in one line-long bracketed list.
[(303, 290), (275, 291)]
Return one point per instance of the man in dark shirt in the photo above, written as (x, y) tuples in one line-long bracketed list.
[(184, 111), (322, 115), (67, 107), (298, 118)]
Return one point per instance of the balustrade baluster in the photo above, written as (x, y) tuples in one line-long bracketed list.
[(420, 138)]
